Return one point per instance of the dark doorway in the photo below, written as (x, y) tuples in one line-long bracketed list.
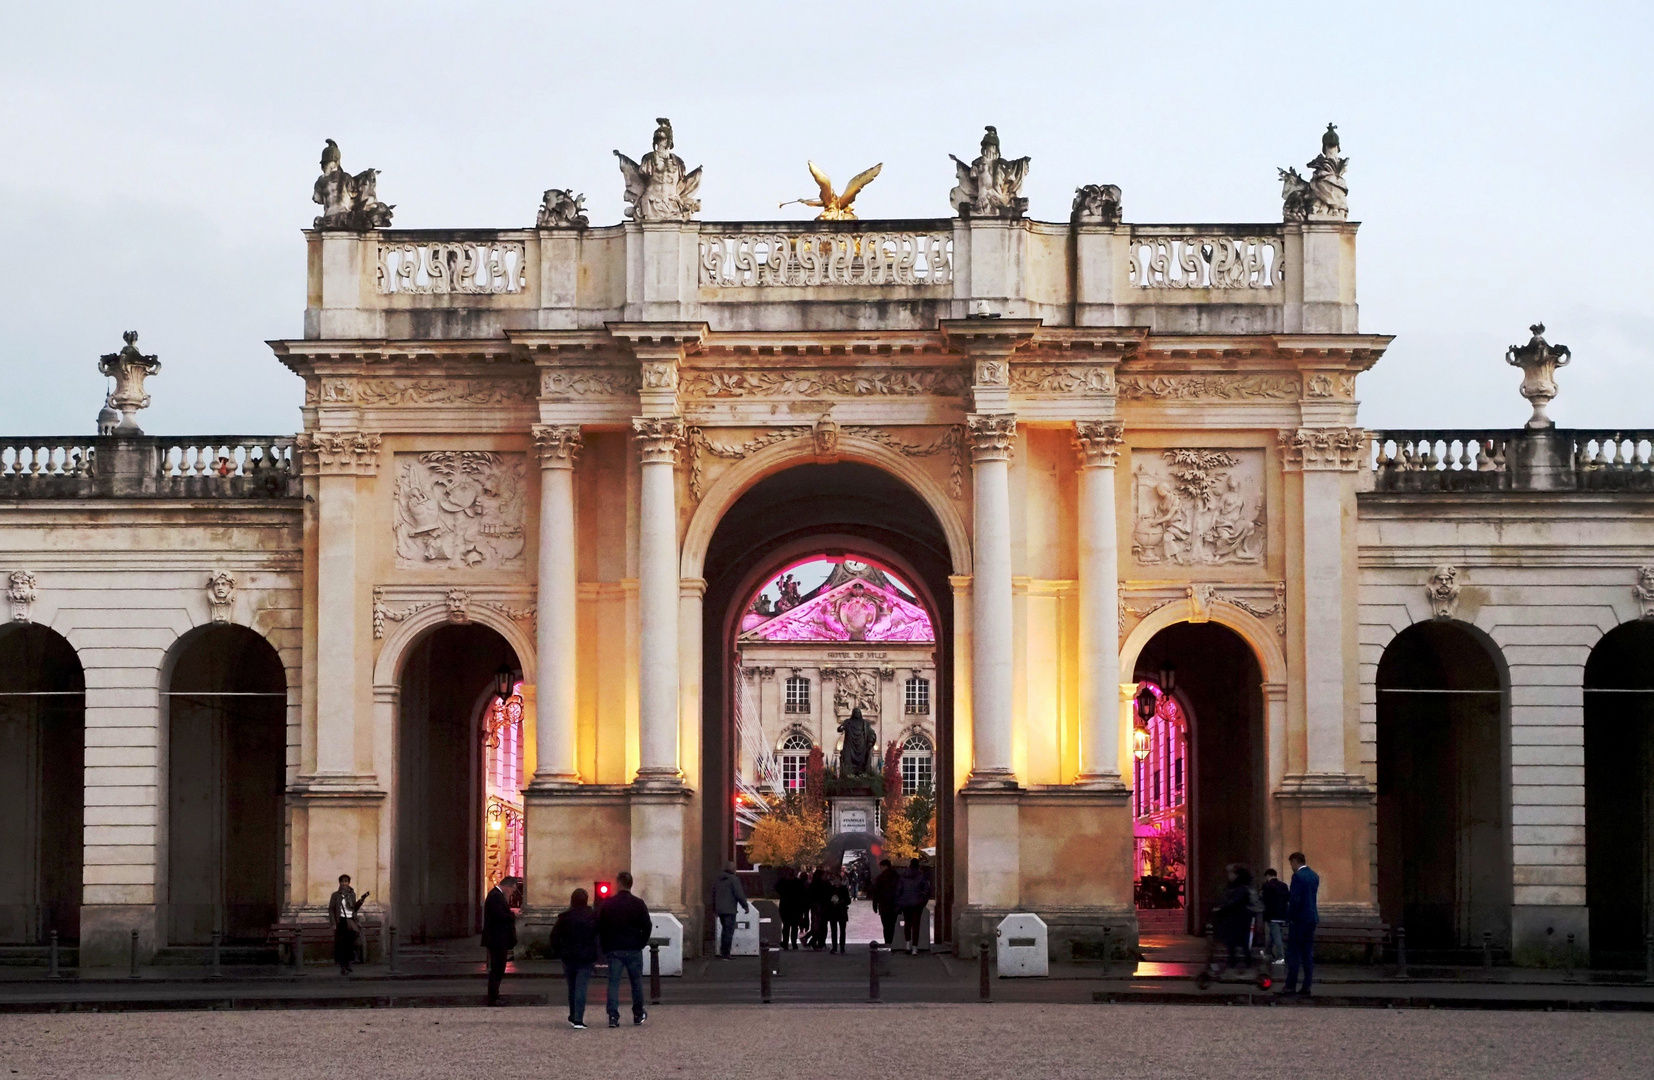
[(226, 770), (1214, 671), (844, 508), (42, 753), (449, 680), (1443, 824), (1619, 791)]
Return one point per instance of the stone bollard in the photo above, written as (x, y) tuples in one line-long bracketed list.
[(1487, 950), (1108, 948), (1568, 971), (654, 973), (217, 965), (985, 988), (51, 959), (764, 972), (132, 973), (390, 949), (872, 971), (1401, 952)]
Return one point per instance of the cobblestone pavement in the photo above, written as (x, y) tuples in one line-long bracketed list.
[(955, 1042)]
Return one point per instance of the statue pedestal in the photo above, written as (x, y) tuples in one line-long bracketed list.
[(856, 813)]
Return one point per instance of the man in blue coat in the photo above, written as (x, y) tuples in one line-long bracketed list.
[(1302, 916)]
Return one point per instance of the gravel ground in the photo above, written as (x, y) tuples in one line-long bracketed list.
[(955, 1042)]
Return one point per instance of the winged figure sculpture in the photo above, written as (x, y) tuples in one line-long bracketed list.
[(660, 187), (836, 207)]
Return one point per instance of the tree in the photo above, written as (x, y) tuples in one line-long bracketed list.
[(792, 834), (815, 781)]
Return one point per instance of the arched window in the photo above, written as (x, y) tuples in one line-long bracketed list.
[(917, 700), (918, 761), (795, 758), (798, 694)]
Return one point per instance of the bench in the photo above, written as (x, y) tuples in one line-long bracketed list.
[(1336, 932), (297, 938)]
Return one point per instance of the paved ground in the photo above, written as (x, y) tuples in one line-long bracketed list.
[(959, 1042)]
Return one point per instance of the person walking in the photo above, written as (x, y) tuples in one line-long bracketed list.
[(838, 910), (574, 942), (913, 892), (499, 932), (790, 891), (1238, 905), (883, 895), (728, 896), (624, 929), (344, 910), (1302, 917), (819, 892), (1274, 893)]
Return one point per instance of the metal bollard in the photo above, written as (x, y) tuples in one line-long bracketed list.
[(1401, 952), (872, 971), (764, 972), (654, 973), (133, 972), (1108, 948), (217, 966), (51, 959), (1568, 972), (1487, 950), (986, 988), (390, 949)]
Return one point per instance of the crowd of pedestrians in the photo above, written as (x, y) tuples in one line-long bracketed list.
[(1282, 916)]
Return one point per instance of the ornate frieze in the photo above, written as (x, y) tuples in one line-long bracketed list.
[(1322, 386), (459, 509), (1208, 387), (1314, 449), (1443, 591), (991, 436), (659, 375), (336, 391), (810, 384), (1093, 380), (1643, 590), (589, 382), (221, 595), (338, 453), (1198, 507), (1098, 442), (659, 438), (20, 592), (812, 259), (558, 445), (857, 688)]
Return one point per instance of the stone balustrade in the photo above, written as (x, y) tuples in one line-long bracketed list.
[(1441, 460), (147, 466), (1520, 459)]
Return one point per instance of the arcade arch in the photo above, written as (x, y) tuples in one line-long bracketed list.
[(226, 773), (42, 754), (1619, 794), (1443, 819)]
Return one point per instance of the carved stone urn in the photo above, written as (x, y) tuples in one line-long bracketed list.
[(1538, 360), (129, 368)]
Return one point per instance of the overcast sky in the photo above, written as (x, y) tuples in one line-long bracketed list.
[(159, 158)]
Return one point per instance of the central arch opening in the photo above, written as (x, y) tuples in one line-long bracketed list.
[(882, 558)]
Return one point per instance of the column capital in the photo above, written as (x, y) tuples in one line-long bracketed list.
[(660, 349), (338, 453), (1098, 443), (659, 438), (1330, 449), (558, 445), (991, 436)]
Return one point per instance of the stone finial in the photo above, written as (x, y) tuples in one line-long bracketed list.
[(349, 203), (660, 187), (129, 368), (1325, 196), (1538, 360), (1443, 590), (561, 208), (990, 186), (1097, 204)]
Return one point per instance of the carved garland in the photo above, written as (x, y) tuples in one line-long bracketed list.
[(422, 392), (699, 444), (1216, 387), (588, 382), (790, 383), (951, 442), (458, 603), (1201, 596), (1061, 379)]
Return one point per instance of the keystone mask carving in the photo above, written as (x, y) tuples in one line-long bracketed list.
[(1444, 591)]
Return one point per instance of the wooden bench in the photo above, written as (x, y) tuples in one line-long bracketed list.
[(296, 938), (1372, 935)]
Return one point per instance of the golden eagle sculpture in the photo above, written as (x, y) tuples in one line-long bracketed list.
[(836, 207)]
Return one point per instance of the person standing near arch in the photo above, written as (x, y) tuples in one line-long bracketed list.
[(1302, 917), (344, 908)]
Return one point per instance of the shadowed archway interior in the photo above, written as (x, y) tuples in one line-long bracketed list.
[(1619, 795), (860, 509), (42, 751)]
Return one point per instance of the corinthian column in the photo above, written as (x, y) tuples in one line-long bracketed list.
[(1098, 444), (991, 601), (556, 730), (658, 442)]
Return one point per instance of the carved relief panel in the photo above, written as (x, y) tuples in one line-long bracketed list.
[(459, 509), (1197, 507)]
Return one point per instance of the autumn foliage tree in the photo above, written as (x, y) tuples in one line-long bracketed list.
[(898, 828)]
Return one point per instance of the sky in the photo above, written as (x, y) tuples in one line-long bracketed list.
[(159, 159)]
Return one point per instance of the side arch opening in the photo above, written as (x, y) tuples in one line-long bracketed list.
[(1619, 795)]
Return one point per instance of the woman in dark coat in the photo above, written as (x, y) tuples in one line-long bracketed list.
[(838, 909), (820, 890), (574, 941), (790, 891)]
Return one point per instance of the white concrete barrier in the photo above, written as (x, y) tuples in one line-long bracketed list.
[(1022, 947), (667, 932), (746, 932)]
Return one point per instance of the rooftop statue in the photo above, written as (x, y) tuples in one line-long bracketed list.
[(659, 188), (837, 207), (1325, 196), (1538, 360), (561, 209), (1097, 203), (348, 202), (990, 186), (129, 368)]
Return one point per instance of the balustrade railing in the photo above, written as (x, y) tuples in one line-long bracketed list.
[(815, 258), (148, 466), (1609, 459), (1176, 257), (242, 466), (60, 467), (438, 267), (1441, 460), (1553, 459)]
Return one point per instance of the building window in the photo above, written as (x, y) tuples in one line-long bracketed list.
[(798, 694), (918, 696), (795, 760), (917, 763)]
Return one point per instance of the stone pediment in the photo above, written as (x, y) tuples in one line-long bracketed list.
[(858, 610)]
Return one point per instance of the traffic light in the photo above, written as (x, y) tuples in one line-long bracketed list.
[(601, 891)]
